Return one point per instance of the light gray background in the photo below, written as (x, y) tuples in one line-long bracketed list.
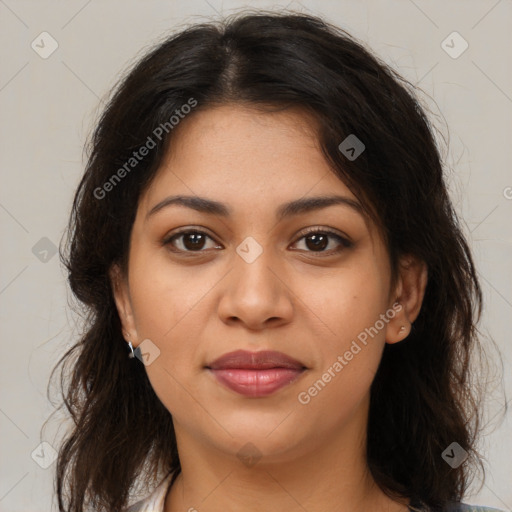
[(48, 107)]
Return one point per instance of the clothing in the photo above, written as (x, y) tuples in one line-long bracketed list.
[(155, 502)]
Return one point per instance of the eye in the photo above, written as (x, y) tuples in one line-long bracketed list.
[(318, 239), (190, 240)]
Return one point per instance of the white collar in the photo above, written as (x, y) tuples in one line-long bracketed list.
[(155, 501)]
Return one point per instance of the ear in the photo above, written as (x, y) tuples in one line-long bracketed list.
[(121, 293), (408, 293)]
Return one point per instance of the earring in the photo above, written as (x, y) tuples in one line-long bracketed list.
[(131, 355), (403, 330)]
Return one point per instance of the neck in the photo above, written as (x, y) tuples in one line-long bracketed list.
[(328, 474)]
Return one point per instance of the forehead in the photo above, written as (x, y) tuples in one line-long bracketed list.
[(234, 150)]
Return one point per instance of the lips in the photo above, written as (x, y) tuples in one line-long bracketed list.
[(264, 360), (256, 374)]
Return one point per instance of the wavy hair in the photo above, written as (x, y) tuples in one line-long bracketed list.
[(422, 397)]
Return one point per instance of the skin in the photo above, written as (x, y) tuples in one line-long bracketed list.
[(292, 298)]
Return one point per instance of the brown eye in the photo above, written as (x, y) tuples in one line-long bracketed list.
[(193, 241), (188, 241), (317, 240)]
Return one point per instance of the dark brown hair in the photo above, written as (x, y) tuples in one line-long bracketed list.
[(422, 398)]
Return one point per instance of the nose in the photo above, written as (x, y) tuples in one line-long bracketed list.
[(256, 294)]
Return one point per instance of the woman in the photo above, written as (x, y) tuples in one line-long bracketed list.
[(281, 305)]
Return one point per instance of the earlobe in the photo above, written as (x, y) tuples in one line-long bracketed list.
[(409, 294), (121, 294)]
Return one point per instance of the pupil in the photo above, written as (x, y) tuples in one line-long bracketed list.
[(196, 241), (317, 242)]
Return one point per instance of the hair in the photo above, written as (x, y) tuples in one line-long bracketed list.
[(422, 398)]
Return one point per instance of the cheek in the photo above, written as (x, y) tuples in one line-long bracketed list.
[(167, 309), (168, 305), (347, 359), (346, 303), (165, 295), (350, 336)]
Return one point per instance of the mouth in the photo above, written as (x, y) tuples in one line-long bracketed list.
[(256, 374)]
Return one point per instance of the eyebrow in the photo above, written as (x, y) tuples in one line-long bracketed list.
[(296, 207)]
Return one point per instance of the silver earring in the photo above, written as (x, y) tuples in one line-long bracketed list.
[(402, 329), (131, 355)]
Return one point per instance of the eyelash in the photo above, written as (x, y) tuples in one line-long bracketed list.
[(344, 242)]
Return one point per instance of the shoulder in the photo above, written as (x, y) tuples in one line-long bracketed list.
[(464, 507), (453, 507), (136, 507), (146, 505), (155, 501)]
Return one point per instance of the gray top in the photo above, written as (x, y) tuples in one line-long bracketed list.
[(454, 507)]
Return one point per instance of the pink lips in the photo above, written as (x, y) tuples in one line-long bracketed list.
[(256, 374)]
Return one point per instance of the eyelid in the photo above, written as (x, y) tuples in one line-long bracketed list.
[(344, 241), (325, 230)]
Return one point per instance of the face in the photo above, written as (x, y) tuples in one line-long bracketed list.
[(256, 279)]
